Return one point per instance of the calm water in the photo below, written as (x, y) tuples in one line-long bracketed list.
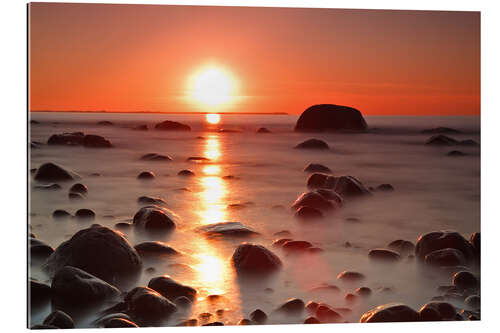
[(433, 191)]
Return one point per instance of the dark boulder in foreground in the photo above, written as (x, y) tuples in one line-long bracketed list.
[(315, 167), (235, 229), (390, 313), (96, 141), (99, 251), (330, 117), (171, 289), (254, 259), (54, 172), (263, 130), (312, 144), (153, 217), (436, 311), (147, 306), (38, 293), (445, 257), (465, 280), (72, 285), (440, 130), (168, 125), (155, 157), (153, 247), (39, 249), (59, 319), (439, 240)]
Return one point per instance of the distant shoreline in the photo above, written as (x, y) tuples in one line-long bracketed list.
[(159, 112)]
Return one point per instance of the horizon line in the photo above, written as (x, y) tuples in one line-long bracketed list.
[(162, 112)]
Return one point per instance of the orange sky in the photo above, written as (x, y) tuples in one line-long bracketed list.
[(139, 58)]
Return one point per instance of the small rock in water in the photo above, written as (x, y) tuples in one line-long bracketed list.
[(292, 306), (185, 173), (312, 306), (385, 188), (435, 311), (54, 172), (296, 246), (141, 128), (440, 130), (59, 319), (438, 240), (350, 276), (350, 298), (441, 140), (404, 247), (283, 233), (168, 125), (281, 241), (96, 141), (231, 229), (384, 255), (153, 247), (156, 157), (145, 200), (75, 196), (198, 159), (313, 144), (363, 291), (263, 130), (308, 213), (254, 259), (258, 316), (245, 321), (85, 213), (105, 123), (146, 175), (153, 217), (311, 320), (79, 188), (60, 214), (327, 315), (456, 153), (313, 200), (123, 225), (148, 307), (314, 167)]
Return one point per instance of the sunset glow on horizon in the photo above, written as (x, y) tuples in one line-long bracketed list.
[(133, 58)]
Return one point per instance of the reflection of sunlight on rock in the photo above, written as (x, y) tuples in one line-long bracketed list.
[(211, 170)]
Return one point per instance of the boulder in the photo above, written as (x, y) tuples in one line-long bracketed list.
[(327, 315), (72, 285), (314, 200), (436, 311), (350, 276), (171, 289), (473, 302), (315, 167), (53, 172), (148, 307), (38, 293), (318, 180), (85, 214), (67, 139), (60, 214), (156, 157), (79, 188), (146, 175), (292, 306), (402, 246), (153, 217), (345, 186), (258, 316), (465, 280), (308, 213), (330, 117), (393, 312), (363, 291), (59, 319), (441, 140), (445, 257), (254, 259), (312, 144), (168, 125), (152, 247), (185, 173), (438, 240), (96, 141), (99, 251), (384, 255), (234, 229)]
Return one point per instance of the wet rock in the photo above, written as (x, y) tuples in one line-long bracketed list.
[(146, 175), (96, 141), (233, 229), (148, 306), (441, 140), (327, 315), (85, 214), (183, 302), (230, 177), (72, 285), (254, 259), (105, 123), (314, 167), (456, 153), (402, 246), (155, 157), (48, 187), (317, 180), (185, 173), (60, 214), (331, 195), (349, 186), (445, 257), (384, 255), (123, 225), (311, 320), (53, 172), (283, 233), (263, 130), (199, 159), (168, 125), (313, 144), (245, 321), (441, 240), (385, 188), (313, 200), (473, 302), (75, 196), (350, 276), (308, 213), (330, 117), (435, 311), (99, 251), (145, 200), (38, 293), (79, 188), (363, 291), (39, 249), (170, 288), (312, 306), (465, 280), (152, 247), (119, 323), (393, 312), (67, 139), (292, 306), (153, 217), (296, 246), (59, 319), (258, 316)]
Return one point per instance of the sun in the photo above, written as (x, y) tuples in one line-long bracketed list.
[(213, 118), (212, 86)]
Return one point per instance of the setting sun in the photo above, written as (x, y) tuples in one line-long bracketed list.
[(212, 86), (213, 118)]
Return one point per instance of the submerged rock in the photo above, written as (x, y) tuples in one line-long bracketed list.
[(185, 173), (314, 200), (148, 307), (226, 229), (168, 125), (171, 289), (435, 311), (393, 312), (49, 187), (312, 144), (146, 175), (39, 249), (456, 153), (141, 127), (308, 213), (439, 240), (96, 141), (384, 255), (440, 130), (153, 247), (350, 276), (263, 130), (146, 200), (296, 246), (327, 315), (99, 251), (54, 172), (258, 316), (79, 188), (198, 159), (314, 167), (345, 186), (402, 246), (153, 217), (363, 291), (465, 280), (60, 214), (155, 157), (441, 140), (292, 306), (385, 188), (254, 259), (72, 285), (330, 117), (85, 213), (445, 257), (59, 319)]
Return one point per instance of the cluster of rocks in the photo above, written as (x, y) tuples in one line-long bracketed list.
[(79, 139)]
